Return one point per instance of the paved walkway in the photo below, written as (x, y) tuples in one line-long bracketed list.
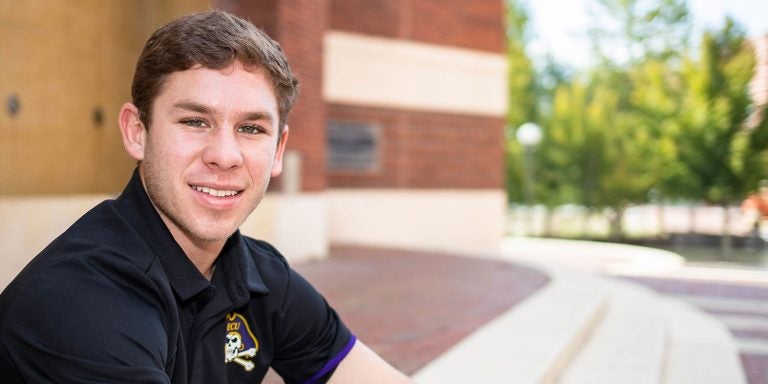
[(412, 306), (736, 296)]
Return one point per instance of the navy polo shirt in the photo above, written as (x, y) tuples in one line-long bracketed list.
[(114, 299)]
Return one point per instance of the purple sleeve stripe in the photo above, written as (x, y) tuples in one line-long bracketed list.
[(333, 363)]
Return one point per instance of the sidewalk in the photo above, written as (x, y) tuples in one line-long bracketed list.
[(411, 306), (736, 297), (414, 308)]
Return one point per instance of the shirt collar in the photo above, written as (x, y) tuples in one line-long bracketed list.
[(241, 274), (239, 268), (185, 279)]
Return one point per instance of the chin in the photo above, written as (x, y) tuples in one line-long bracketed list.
[(209, 235), (214, 237)]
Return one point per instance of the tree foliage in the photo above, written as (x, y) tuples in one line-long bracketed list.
[(631, 31), (720, 158), (522, 92), (656, 117)]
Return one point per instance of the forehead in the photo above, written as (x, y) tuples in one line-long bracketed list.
[(232, 88)]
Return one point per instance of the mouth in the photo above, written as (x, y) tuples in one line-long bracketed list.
[(216, 192)]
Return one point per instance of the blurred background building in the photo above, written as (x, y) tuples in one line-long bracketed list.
[(758, 87), (397, 138)]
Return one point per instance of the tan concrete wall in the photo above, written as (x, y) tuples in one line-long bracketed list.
[(297, 224), (436, 219), (63, 60), (29, 223)]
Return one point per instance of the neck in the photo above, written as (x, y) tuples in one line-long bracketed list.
[(202, 254)]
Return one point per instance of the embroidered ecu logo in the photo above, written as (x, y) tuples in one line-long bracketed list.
[(241, 345)]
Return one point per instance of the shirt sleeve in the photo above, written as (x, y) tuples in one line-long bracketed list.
[(311, 338), (77, 321)]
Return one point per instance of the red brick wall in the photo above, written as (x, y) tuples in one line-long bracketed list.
[(419, 149), (263, 14), (299, 26), (475, 24), (372, 17), (464, 23), (422, 149), (428, 150)]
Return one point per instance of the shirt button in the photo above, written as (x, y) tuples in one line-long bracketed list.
[(208, 293)]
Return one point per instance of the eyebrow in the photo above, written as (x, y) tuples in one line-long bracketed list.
[(204, 109)]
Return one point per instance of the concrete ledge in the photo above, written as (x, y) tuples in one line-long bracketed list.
[(531, 342), (597, 257)]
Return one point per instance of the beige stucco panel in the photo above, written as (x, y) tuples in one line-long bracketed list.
[(296, 224), (374, 71), (29, 223), (301, 226), (443, 220)]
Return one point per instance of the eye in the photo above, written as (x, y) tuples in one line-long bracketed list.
[(250, 129), (195, 122)]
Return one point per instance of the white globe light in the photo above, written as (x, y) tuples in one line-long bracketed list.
[(529, 134)]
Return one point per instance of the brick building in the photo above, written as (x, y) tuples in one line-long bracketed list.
[(397, 138), (758, 87)]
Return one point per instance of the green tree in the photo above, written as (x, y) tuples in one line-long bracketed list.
[(629, 102), (523, 95), (721, 158), (564, 156), (631, 31), (554, 174)]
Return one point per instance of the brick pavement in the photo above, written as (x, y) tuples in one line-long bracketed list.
[(709, 295), (410, 306)]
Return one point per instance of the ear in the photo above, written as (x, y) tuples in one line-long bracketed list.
[(277, 165), (133, 131)]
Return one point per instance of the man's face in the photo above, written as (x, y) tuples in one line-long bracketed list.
[(210, 150)]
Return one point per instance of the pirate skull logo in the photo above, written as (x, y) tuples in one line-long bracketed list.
[(233, 345), (240, 345)]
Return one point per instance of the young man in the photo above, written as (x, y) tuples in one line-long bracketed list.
[(158, 285)]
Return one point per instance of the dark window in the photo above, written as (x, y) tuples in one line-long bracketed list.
[(352, 146)]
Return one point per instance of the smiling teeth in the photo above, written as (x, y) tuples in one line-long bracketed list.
[(215, 192)]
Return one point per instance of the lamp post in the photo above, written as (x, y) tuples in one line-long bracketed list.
[(529, 136)]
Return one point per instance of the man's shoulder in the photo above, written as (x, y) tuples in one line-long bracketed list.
[(88, 268), (101, 240), (102, 228), (266, 265)]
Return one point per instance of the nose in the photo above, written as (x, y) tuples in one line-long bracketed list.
[(223, 150)]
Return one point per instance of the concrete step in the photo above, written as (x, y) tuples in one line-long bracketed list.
[(647, 338), (727, 304), (584, 329), (737, 314), (530, 343), (628, 346), (701, 350)]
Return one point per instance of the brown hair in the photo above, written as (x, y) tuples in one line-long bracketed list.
[(214, 40)]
